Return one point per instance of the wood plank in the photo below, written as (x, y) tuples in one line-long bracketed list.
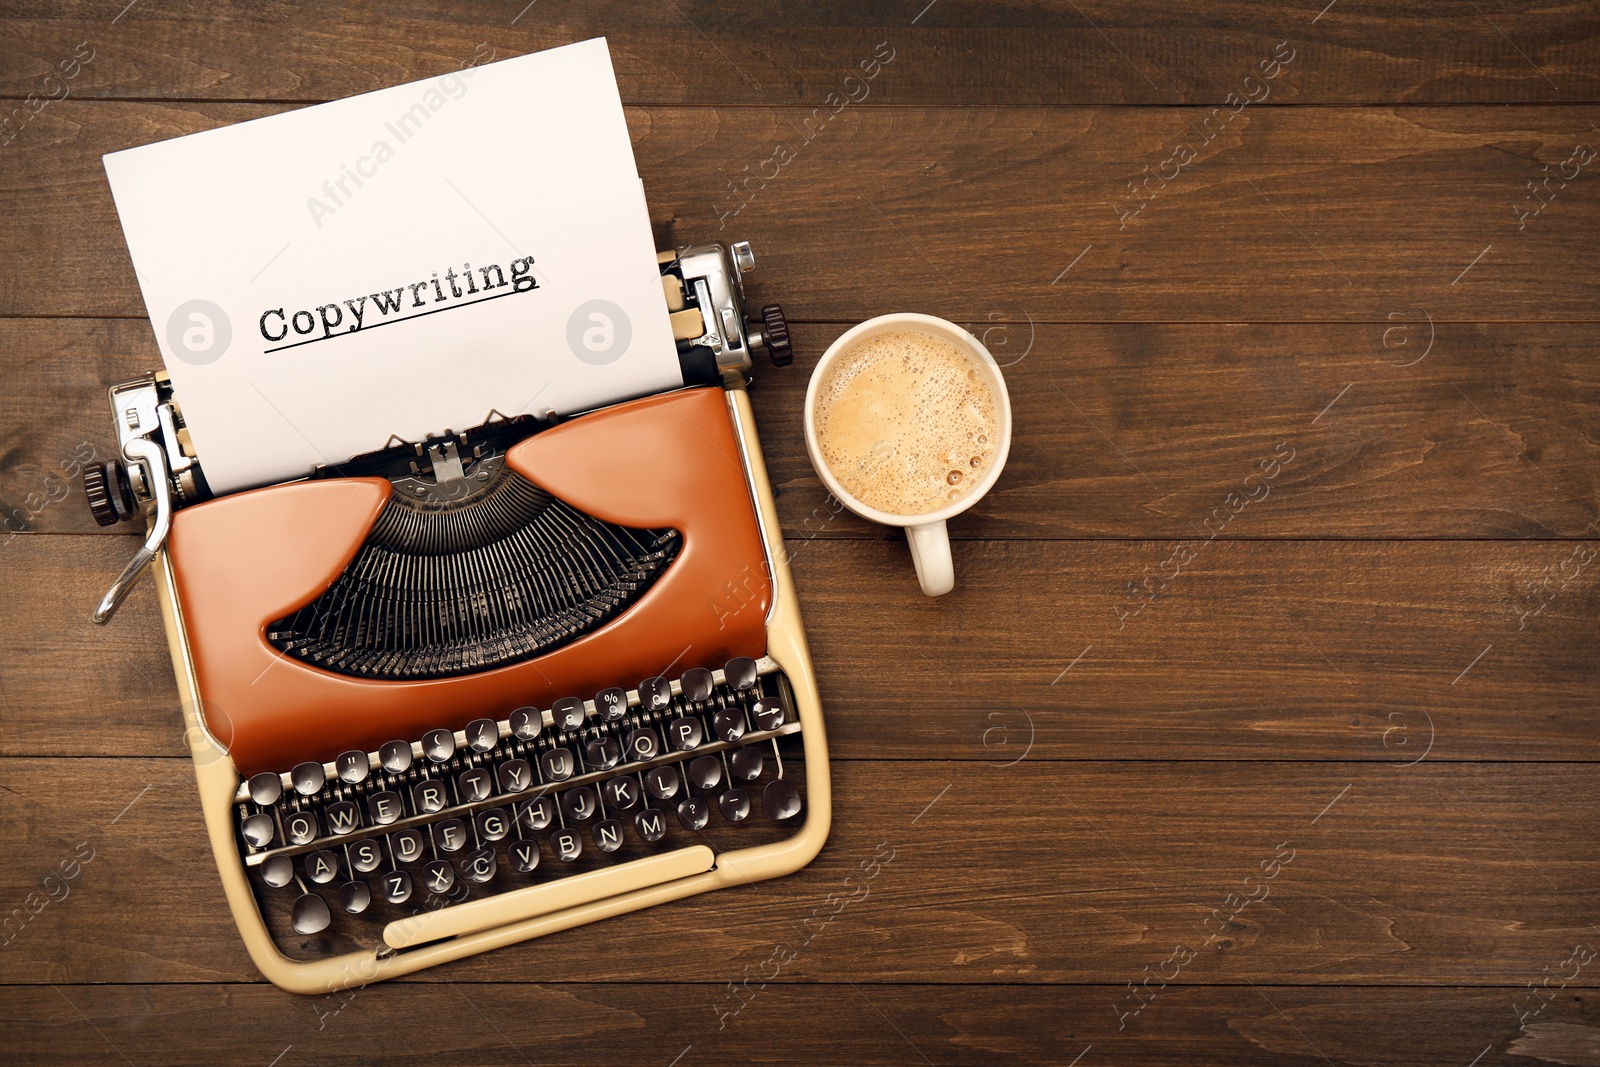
[(1473, 875), (1344, 214), (499, 1023), (1096, 52), (1494, 432), (1255, 650)]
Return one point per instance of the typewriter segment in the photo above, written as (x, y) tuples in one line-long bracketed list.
[(510, 575), (365, 850), (346, 643)]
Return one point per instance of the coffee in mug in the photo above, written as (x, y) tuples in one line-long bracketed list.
[(906, 421)]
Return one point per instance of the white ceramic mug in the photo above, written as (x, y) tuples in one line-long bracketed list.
[(926, 534)]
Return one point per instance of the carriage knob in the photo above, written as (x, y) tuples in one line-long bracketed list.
[(106, 487), (775, 335)]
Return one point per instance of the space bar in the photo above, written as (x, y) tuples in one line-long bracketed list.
[(539, 900)]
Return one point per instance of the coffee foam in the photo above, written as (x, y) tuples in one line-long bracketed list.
[(906, 422)]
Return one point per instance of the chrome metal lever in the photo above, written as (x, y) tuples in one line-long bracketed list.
[(154, 457)]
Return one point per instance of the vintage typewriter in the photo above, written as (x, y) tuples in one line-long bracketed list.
[(471, 690)]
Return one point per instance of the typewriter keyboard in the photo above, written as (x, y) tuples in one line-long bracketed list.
[(336, 851)]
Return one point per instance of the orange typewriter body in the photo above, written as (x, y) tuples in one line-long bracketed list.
[(240, 562)]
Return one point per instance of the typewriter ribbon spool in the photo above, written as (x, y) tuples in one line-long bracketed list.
[(428, 723)]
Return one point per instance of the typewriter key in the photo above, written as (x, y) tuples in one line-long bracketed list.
[(662, 782), (396, 887), (612, 704), (740, 673), (258, 829), (697, 684), (493, 824), (566, 844), (621, 793), (365, 856), (651, 824), (385, 807), (705, 772), (746, 764), (525, 723), (557, 765), (428, 795), (343, 816), (694, 813), (603, 753), (536, 814), (728, 724), (768, 713), (608, 835), (568, 712), (514, 775), (300, 827), (322, 866), (278, 871), (735, 805), (353, 766), (686, 734), (395, 756), (655, 693), (478, 866), (482, 734), (580, 804), (452, 835), (307, 778), (642, 745), (438, 745), (354, 897), (524, 855), (780, 800), (406, 846), (310, 914), (265, 788), (438, 876), (474, 785)]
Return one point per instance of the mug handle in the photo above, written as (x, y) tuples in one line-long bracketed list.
[(930, 551)]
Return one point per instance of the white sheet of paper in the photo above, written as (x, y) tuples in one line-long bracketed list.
[(307, 278)]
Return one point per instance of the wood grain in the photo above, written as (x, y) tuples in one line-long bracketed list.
[(1090, 52), (1384, 663), (1037, 873), (1287, 214), (1493, 431), (477, 1025), (1256, 650)]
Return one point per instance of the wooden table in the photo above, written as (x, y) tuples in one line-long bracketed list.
[(1199, 763)]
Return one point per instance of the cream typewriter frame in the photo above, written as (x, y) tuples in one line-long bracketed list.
[(522, 914)]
